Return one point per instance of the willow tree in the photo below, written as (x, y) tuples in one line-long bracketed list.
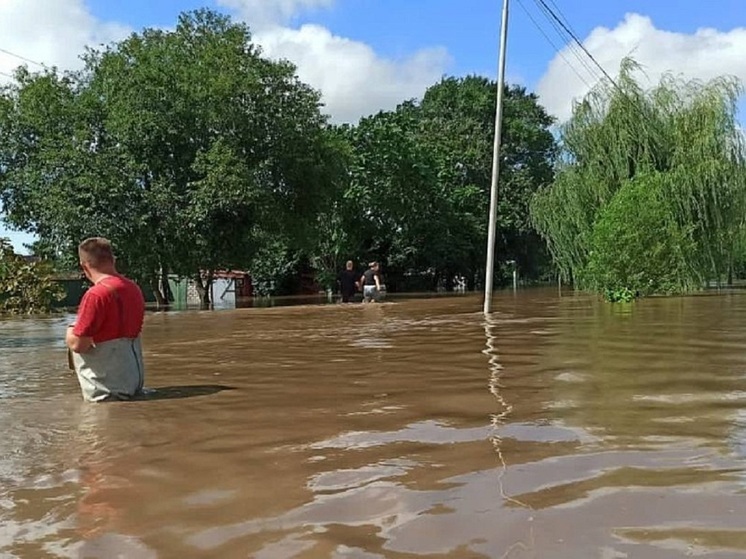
[(650, 192)]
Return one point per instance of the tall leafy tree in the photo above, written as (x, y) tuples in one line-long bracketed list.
[(420, 178), (186, 147), (458, 123), (57, 179), (227, 142), (647, 164)]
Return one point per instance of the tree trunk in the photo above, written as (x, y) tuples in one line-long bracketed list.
[(168, 295), (207, 301)]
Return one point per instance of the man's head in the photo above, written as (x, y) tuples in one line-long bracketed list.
[(96, 255), (349, 264), (374, 265)]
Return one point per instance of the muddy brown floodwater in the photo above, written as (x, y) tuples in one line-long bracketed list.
[(562, 428)]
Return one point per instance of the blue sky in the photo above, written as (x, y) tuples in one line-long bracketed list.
[(467, 28), (366, 55)]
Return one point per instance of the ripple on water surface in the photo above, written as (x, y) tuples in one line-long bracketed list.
[(560, 427)]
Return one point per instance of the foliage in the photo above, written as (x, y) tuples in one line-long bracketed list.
[(682, 141), (178, 145), (637, 248), (194, 153), (25, 287), (332, 238), (273, 267), (418, 190), (620, 295)]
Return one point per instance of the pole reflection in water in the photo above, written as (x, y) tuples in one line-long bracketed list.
[(498, 419), (556, 428)]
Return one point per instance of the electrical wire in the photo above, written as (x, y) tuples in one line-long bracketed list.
[(25, 59), (557, 49), (574, 37), (562, 26), (567, 38)]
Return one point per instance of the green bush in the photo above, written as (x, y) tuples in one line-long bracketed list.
[(25, 287), (637, 248)]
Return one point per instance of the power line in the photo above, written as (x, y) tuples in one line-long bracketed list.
[(567, 28), (554, 46), (577, 41), (563, 16), (25, 59), (566, 38)]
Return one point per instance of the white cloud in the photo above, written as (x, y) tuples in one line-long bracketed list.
[(54, 33), (353, 79), (266, 12), (50, 32), (705, 54)]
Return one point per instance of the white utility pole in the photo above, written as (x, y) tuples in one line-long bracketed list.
[(496, 162)]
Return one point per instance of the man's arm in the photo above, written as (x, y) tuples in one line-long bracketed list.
[(79, 336), (78, 344)]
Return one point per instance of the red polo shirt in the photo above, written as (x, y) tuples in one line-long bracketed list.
[(113, 308)]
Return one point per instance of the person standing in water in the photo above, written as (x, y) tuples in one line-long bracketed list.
[(348, 284), (371, 282), (105, 340)]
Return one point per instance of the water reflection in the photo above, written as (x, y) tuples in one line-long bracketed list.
[(661, 372), (499, 418), (498, 421), (407, 429)]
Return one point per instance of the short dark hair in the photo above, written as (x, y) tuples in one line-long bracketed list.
[(96, 251)]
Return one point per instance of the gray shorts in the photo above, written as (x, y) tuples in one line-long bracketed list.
[(371, 292)]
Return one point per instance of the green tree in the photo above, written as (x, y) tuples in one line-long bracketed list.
[(637, 246), (392, 188), (56, 179), (185, 147), (420, 178), (331, 238), (681, 139), (25, 287), (229, 144), (458, 123)]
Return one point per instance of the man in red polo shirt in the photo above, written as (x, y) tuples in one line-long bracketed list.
[(105, 339)]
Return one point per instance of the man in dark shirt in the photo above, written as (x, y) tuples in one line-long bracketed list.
[(348, 284)]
